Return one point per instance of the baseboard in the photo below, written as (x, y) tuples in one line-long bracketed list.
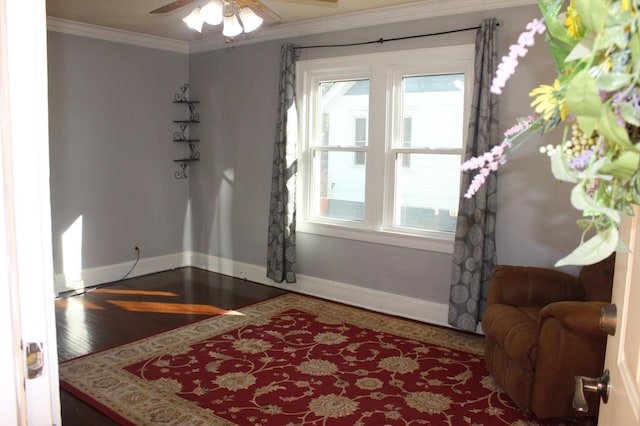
[(92, 277), (375, 300)]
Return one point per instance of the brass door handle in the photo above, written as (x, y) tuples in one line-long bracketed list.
[(599, 385)]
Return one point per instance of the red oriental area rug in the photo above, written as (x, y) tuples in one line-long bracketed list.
[(296, 360)]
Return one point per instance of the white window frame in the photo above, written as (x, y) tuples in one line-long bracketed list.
[(384, 72), (355, 117)]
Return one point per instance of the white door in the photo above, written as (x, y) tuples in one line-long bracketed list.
[(27, 318), (623, 349)]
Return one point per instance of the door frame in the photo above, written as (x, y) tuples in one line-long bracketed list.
[(27, 301)]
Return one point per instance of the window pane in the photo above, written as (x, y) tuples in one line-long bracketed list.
[(436, 105), (344, 110), (427, 192), (360, 131), (406, 140), (360, 139), (338, 186)]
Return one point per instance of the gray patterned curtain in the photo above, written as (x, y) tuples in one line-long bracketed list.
[(281, 253), (475, 251)]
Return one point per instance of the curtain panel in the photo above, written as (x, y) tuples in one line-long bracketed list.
[(281, 251), (475, 251)]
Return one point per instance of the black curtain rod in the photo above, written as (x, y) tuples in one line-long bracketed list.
[(383, 40)]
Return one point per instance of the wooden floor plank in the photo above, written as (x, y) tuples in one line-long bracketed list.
[(116, 314)]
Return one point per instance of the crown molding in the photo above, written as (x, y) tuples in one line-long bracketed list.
[(386, 15), (115, 35)]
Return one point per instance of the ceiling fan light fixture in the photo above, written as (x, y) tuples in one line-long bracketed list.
[(232, 26), (194, 20), (212, 12), (250, 21)]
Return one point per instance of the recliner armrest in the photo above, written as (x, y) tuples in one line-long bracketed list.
[(579, 318), (570, 344), (532, 286)]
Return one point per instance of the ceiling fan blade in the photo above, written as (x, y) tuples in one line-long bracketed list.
[(329, 1), (260, 9), (172, 6)]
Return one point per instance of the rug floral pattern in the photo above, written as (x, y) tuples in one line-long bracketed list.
[(295, 360)]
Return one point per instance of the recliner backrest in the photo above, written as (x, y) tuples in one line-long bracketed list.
[(597, 280)]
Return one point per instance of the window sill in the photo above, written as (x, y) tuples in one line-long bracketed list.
[(440, 244)]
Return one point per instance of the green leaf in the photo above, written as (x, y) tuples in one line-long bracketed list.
[(622, 167), (561, 43), (613, 81), (629, 113), (599, 247), (623, 20), (634, 43), (559, 167), (636, 184), (587, 124), (581, 49), (555, 26), (559, 53), (611, 129), (592, 13), (585, 224), (583, 99), (614, 35), (581, 201)]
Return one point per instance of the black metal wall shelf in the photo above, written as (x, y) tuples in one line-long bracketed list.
[(181, 135)]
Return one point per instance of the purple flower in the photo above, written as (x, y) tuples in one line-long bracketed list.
[(536, 26), (491, 160), (518, 50), (477, 182), (486, 163), (519, 127), (615, 103), (509, 63), (582, 160)]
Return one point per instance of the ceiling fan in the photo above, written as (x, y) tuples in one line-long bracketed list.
[(256, 5)]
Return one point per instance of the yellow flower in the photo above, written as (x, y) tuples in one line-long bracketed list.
[(572, 22), (547, 101), (625, 5)]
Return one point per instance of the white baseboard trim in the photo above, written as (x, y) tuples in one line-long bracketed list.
[(375, 300), (105, 274)]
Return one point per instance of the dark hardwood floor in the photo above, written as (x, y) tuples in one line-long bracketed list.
[(139, 307)]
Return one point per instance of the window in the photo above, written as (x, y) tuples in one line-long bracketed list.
[(406, 140), (381, 145), (360, 139)]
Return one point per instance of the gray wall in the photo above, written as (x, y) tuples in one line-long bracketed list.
[(111, 115), (111, 158), (230, 187)]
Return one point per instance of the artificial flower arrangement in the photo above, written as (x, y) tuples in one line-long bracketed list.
[(595, 45)]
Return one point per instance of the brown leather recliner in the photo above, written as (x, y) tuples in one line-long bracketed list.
[(542, 329)]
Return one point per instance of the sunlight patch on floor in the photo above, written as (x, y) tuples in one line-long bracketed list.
[(63, 303), (135, 292), (172, 308)]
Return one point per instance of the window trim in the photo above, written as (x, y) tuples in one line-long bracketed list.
[(356, 142), (381, 72)]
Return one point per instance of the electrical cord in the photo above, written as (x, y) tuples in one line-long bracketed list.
[(134, 264), (78, 292)]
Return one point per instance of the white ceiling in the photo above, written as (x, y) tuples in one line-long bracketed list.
[(134, 16)]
